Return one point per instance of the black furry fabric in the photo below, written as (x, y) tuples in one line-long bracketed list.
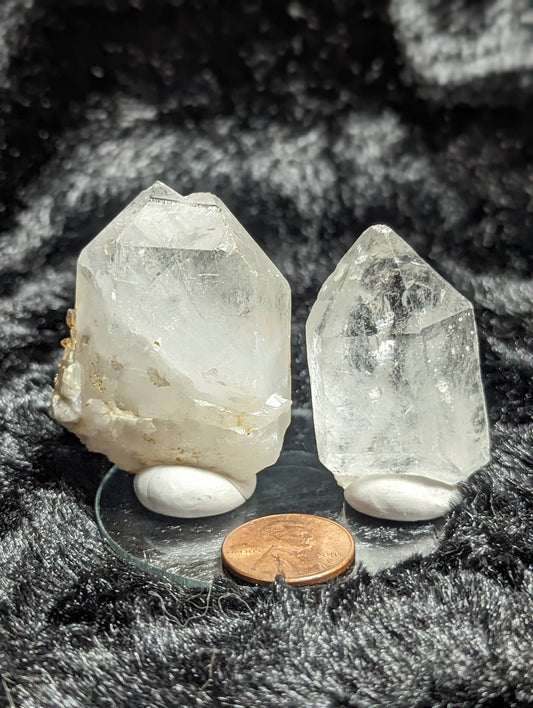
[(311, 120)]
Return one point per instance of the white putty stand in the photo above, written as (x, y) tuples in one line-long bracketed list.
[(190, 492), (401, 497)]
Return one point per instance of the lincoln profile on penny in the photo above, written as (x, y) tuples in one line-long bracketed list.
[(302, 548), (289, 546)]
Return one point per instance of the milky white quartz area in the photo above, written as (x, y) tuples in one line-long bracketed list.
[(395, 376), (179, 348)]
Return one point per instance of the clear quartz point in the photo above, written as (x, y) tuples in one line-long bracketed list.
[(394, 365), (179, 350)]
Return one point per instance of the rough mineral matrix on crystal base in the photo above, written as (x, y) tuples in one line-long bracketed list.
[(179, 349), (393, 358)]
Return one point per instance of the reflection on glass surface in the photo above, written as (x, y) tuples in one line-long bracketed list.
[(188, 550)]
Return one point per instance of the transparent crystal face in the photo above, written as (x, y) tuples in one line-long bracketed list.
[(182, 339), (394, 365)]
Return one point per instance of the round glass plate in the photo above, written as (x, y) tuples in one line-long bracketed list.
[(187, 551)]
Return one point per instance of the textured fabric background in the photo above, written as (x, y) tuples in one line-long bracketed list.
[(310, 120)]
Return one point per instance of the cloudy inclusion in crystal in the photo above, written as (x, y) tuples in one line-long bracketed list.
[(180, 352), (393, 358)]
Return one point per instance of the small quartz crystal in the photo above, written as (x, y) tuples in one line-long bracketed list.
[(179, 348), (393, 358)]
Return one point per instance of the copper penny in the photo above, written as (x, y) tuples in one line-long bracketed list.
[(304, 549)]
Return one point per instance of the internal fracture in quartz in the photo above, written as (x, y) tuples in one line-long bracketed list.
[(393, 357), (179, 348)]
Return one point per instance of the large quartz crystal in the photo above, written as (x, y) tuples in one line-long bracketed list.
[(179, 347), (393, 357)]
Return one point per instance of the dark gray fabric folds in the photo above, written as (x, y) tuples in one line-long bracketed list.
[(311, 121)]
